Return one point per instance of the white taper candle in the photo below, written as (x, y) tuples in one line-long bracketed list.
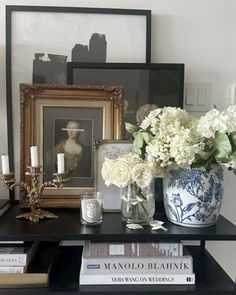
[(60, 163), (34, 156), (5, 164)]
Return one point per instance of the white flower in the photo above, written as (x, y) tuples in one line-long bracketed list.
[(171, 137), (155, 166), (176, 139), (142, 175), (115, 172), (150, 119), (120, 174), (214, 121), (143, 111), (106, 171), (131, 159)]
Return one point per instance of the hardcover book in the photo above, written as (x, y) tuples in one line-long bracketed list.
[(136, 249), (138, 265), (13, 269), (17, 255), (138, 279)]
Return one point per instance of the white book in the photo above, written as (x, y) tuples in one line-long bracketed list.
[(140, 265), (17, 255), (137, 279), (12, 269)]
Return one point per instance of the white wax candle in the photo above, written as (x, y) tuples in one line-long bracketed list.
[(34, 156), (5, 164), (60, 163)]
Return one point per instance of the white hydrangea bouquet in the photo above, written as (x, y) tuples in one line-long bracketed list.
[(170, 136)]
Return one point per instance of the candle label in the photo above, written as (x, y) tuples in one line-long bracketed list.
[(91, 210)]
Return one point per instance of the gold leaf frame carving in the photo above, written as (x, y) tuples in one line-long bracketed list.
[(34, 98)]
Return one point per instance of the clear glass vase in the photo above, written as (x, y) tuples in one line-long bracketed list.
[(137, 205)]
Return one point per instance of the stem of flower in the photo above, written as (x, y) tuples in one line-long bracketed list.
[(138, 192), (145, 210)]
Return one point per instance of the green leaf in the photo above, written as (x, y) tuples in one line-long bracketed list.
[(147, 137), (233, 155), (138, 143), (223, 147), (206, 155), (138, 140), (130, 127), (233, 137), (205, 165), (137, 150)]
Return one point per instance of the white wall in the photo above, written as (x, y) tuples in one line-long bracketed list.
[(200, 34)]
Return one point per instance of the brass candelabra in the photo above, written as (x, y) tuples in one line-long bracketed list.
[(34, 191)]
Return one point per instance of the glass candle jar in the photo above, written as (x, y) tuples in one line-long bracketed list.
[(91, 208)]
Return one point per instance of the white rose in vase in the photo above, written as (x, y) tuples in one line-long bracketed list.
[(130, 159), (120, 174), (142, 175)]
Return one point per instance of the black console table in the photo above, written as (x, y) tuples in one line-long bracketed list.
[(210, 277)]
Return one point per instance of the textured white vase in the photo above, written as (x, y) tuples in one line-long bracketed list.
[(193, 197)]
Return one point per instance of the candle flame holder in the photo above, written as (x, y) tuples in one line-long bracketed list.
[(34, 191)]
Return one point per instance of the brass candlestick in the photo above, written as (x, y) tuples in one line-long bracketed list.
[(34, 191)]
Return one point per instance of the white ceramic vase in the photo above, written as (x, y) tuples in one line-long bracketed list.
[(193, 197)]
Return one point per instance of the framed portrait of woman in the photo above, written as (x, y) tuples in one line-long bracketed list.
[(67, 119)]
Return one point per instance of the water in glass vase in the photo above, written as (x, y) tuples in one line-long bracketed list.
[(137, 205)]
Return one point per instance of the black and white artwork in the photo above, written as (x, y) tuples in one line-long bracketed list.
[(40, 40), (51, 68)]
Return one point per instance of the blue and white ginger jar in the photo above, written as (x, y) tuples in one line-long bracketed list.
[(193, 197)]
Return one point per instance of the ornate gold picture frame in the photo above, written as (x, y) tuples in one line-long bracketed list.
[(47, 114)]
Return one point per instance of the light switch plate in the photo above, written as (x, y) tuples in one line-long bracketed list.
[(197, 97)]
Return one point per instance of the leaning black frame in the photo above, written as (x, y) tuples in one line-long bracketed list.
[(159, 66)]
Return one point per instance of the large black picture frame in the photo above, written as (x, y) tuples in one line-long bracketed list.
[(144, 85), (12, 27)]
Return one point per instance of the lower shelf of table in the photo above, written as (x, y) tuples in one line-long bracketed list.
[(64, 278)]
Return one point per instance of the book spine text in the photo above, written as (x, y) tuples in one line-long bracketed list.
[(13, 260), (138, 265), (162, 279)]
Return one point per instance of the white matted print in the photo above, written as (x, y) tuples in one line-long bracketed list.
[(40, 40), (110, 149)]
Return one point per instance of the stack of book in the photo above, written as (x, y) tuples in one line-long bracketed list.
[(135, 263), (26, 265), (14, 258)]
